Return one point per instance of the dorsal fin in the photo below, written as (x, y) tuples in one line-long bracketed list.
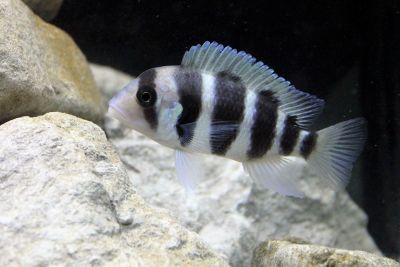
[(214, 58)]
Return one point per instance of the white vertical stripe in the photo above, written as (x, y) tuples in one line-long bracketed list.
[(166, 90), (238, 149), (201, 138), (296, 150)]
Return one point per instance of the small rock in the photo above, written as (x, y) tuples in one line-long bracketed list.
[(46, 9), (125, 218), (287, 253), (66, 200), (109, 80), (42, 69)]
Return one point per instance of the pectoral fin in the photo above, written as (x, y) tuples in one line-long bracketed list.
[(219, 132), (189, 169)]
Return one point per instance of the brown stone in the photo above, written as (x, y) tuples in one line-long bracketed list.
[(42, 69)]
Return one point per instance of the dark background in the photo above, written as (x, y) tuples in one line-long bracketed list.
[(346, 52)]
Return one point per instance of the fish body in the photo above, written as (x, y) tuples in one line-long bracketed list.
[(220, 101)]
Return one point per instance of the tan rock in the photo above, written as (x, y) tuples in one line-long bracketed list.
[(42, 69), (298, 254), (66, 200), (47, 9)]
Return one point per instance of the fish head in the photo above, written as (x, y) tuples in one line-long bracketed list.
[(124, 107), (149, 104)]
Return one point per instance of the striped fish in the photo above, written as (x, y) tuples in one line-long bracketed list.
[(223, 102)]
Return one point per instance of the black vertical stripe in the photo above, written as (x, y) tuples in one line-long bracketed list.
[(308, 144), (289, 136), (147, 78), (189, 86), (228, 111), (264, 124)]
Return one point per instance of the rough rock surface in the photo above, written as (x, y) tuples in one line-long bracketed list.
[(66, 200), (230, 213), (109, 80), (298, 254), (41, 69), (47, 9)]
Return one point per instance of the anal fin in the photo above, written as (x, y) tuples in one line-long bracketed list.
[(277, 173), (189, 169)]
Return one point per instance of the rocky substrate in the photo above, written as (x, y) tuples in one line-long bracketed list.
[(66, 199), (73, 194), (296, 253)]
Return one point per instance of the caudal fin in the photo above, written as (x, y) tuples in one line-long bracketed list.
[(337, 149)]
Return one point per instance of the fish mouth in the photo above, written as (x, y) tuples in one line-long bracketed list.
[(116, 113)]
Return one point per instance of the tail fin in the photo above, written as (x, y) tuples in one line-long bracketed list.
[(337, 149)]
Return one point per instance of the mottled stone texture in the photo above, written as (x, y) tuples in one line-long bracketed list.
[(41, 69), (298, 254), (47, 9), (66, 200)]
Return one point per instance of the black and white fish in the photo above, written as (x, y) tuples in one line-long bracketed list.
[(220, 101)]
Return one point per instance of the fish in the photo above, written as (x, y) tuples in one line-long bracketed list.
[(223, 102)]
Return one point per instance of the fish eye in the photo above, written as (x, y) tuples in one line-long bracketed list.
[(146, 96)]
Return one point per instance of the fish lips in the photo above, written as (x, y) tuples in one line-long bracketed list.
[(116, 113)]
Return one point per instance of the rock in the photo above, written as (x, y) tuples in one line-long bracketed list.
[(47, 9), (109, 80), (66, 200), (41, 69), (229, 212), (295, 254)]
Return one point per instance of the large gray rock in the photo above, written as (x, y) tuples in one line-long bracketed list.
[(66, 200), (299, 254), (41, 69), (230, 213), (47, 9)]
